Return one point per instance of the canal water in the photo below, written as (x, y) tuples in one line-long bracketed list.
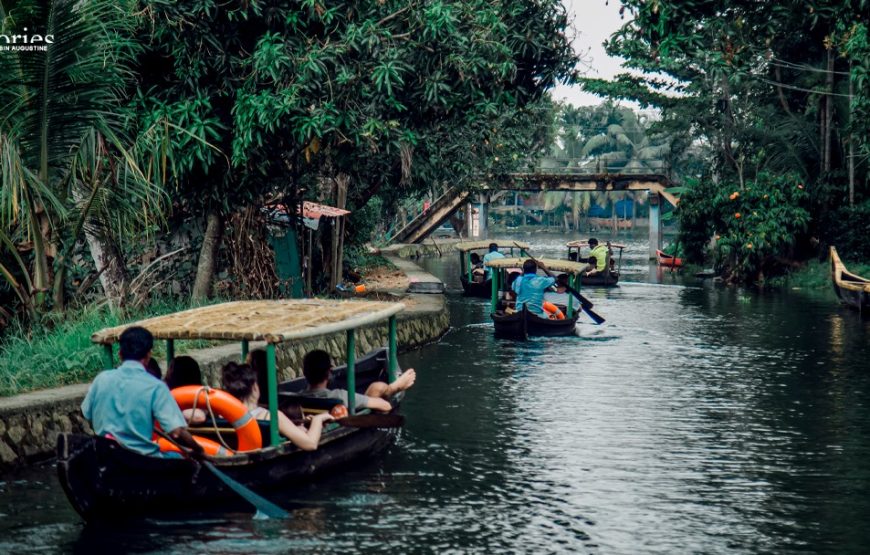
[(697, 419)]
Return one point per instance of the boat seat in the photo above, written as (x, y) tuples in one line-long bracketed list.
[(227, 433)]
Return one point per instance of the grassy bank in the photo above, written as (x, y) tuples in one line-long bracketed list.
[(60, 352), (816, 276)]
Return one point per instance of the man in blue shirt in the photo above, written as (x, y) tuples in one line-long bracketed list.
[(493, 254), (124, 403), (530, 288)]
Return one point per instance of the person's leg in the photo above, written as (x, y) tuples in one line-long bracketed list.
[(385, 390)]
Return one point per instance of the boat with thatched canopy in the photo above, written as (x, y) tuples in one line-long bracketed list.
[(852, 289), (479, 285), (522, 324), (104, 480), (603, 279)]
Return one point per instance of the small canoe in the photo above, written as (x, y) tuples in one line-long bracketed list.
[(523, 324), (853, 290), (610, 279), (481, 289), (668, 260)]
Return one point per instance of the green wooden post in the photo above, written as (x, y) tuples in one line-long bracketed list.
[(351, 372), (468, 265), (170, 352), (245, 347), (523, 253), (494, 281), (392, 350), (272, 376), (572, 281), (108, 356)]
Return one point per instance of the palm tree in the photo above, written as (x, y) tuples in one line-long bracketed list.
[(66, 167)]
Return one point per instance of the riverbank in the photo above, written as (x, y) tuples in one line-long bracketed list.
[(30, 422), (815, 275)]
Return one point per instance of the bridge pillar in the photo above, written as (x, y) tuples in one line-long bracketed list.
[(655, 223), (476, 217)]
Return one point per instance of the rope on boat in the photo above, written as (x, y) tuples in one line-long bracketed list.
[(215, 428)]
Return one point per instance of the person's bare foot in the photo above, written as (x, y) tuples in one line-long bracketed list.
[(405, 381)]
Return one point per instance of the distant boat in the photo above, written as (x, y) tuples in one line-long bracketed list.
[(668, 260), (470, 286), (602, 279), (853, 290)]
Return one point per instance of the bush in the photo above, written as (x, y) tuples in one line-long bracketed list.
[(848, 229), (755, 227)]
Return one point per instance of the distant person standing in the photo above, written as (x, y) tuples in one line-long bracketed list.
[(124, 403), (493, 254), (530, 288)]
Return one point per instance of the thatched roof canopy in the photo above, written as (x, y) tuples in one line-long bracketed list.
[(272, 321), (480, 245), (554, 265)]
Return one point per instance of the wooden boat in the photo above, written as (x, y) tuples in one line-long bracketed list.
[(105, 481), (668, 260), (522, 324), (852, 290), (470, 286), (605, 279)]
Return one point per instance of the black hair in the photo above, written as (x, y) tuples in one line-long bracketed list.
[(315, 366), (153, 368), (238, 380), (572, 256), (562, 279), (593, 242), (529, 267), (183, 370), (493, 247), (136, 342), (259, 364), (475, 258)]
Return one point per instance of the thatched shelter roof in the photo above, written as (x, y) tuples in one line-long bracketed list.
[(272, 321), (466, 246), (553, 264), (585, 244)]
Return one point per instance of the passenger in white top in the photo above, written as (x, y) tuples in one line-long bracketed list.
[(240, 380)]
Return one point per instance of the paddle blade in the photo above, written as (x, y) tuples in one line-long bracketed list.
[(263, 505), (595, 317), (372, 421)]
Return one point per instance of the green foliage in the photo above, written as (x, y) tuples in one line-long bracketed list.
[(753, 225), (59, 351)]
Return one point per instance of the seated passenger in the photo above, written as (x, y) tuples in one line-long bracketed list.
[(153, 368), (493, 254), (317, 366), (477, 270), (257, 360), (597, 257), (530, 288), (240, 380), (183, 370)]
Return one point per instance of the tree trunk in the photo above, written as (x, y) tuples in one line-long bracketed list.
[(110, 263), (851, 143), (829, 110), (205, 268)]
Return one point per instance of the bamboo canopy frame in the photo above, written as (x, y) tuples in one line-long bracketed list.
[(274, 322), (585, 244)]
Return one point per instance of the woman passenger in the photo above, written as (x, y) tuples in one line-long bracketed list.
[(257, 360), (183, 370), (240, 380)]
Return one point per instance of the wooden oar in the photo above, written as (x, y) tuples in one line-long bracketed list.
[(262, 504), (585, 303)]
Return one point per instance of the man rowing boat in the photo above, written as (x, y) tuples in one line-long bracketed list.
[(530, 288)]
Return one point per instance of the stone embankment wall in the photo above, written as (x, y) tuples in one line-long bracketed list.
[(30, 423)]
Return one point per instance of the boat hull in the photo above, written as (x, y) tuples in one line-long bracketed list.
[(600, 280), (523, 324), (479, 290), (668, 260), (852, 289)]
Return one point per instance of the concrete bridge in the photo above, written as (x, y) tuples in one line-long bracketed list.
[(424, 224)]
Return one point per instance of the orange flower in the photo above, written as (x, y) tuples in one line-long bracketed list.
[(734, 195), (737, 215), (718, 237), (748, 245), (766, 197)]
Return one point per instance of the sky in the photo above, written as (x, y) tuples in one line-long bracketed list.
[(593, 21)]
